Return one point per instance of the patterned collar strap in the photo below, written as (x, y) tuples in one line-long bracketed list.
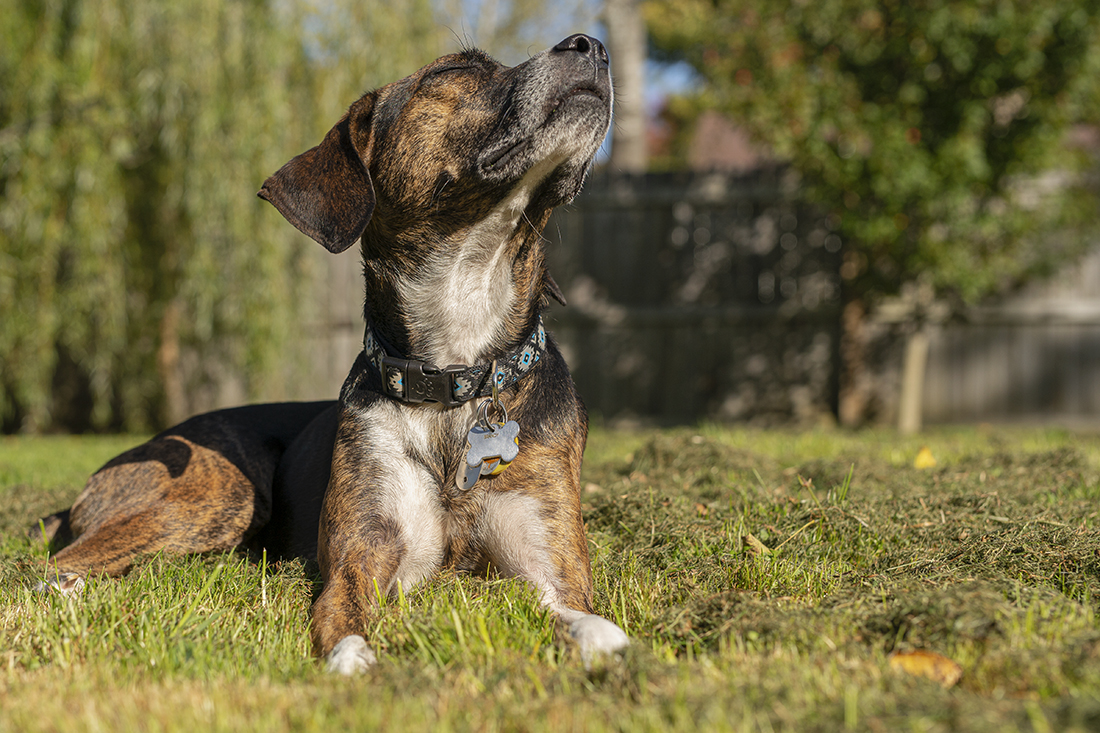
[(409, 380)]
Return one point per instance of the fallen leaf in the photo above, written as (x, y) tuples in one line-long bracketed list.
[(924, 459), (758, 547), (929, 665), (701, 509)]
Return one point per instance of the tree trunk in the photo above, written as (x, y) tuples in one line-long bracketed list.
[(626, 42), (852, 400), (168, 358), (912, 382)]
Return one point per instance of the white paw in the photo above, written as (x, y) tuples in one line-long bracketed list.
[(69, 585), (350, 656), (597, 637)]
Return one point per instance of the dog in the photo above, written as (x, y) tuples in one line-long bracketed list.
[(446, 178)]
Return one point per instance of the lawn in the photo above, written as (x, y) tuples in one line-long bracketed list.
[(769, 580)]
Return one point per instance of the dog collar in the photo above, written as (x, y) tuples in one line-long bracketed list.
[(415, 381)]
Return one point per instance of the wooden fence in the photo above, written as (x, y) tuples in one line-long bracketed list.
[(695, 297), (1033, 357)]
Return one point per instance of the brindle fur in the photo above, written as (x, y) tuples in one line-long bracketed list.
[(446, 178)]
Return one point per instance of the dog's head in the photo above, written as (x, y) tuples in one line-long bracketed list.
[(437, 151)]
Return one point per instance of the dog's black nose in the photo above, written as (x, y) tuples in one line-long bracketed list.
[(586, 46)]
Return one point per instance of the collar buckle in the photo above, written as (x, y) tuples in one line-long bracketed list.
[(415, 381)]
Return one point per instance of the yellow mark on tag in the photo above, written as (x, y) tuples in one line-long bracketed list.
[(503, 464), (929, 665), (924, 459)]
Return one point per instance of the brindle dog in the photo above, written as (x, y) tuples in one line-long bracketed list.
[(447, 179)]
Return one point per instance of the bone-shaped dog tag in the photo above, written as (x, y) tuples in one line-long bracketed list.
[(489, 450)]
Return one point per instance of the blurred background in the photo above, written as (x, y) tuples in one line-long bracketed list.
[(808, 212)]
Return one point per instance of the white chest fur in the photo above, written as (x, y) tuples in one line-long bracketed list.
[(464, 295)]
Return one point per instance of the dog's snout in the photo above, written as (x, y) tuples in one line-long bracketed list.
[(586, 46)]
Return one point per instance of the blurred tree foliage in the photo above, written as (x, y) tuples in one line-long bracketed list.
[(133, 137), (513, 30), (935, 131)]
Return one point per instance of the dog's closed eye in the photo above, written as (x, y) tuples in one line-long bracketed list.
[(448, 69)]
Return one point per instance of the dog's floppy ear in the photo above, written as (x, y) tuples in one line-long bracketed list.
[(326, 191)]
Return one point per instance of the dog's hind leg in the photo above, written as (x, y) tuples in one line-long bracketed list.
[(203, 485)]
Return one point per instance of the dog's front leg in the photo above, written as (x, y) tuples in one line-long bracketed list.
[(381, 524), (534, 530)]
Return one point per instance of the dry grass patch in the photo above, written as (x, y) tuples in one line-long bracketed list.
[(767, 579)]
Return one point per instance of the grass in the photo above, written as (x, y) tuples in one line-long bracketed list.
[(765, 577)]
